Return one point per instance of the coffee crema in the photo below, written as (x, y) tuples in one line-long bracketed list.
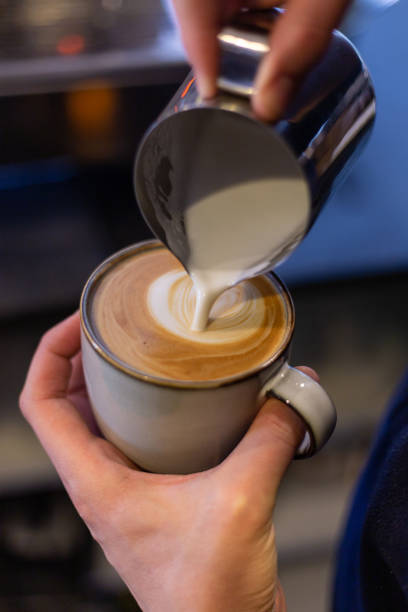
[(142, 312)]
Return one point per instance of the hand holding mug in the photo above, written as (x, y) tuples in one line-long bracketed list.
[(175, 400), (228, 561)]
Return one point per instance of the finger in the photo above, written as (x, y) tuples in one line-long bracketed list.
[(50, 369), (298, 40), (43, 399), (268, 447), (78, 394), (263, 4), (309, 372), (199, 23), (81, 459)]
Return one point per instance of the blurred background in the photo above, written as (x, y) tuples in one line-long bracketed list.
[(80, 81)]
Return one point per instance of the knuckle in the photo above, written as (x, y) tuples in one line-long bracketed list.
[(46, 338), (233, 502), (26, 405), (103, 507), (239, 512), (91, 510), (84, 507), (23, 403), (238, 505)]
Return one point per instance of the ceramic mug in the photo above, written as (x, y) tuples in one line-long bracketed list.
[(187, 426)]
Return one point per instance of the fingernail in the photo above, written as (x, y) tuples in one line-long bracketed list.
[(271, 101)]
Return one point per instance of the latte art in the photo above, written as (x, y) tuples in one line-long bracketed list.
[(142, 310), (233, 318)]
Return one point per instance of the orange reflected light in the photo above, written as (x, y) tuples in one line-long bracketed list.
[(189, 84), (72, 44)]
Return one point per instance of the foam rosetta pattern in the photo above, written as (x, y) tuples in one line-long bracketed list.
[(144, 306), (235, 316)]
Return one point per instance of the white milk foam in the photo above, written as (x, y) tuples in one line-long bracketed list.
[(233, 317), (240, 232)]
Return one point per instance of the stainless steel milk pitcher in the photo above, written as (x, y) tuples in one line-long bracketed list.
[(199, 148)]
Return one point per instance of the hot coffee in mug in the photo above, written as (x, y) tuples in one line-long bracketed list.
[(143, 310), (176, 400)]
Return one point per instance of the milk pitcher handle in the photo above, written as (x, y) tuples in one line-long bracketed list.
[(309, 400)]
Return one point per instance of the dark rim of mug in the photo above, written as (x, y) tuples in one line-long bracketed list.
[(102, 350)]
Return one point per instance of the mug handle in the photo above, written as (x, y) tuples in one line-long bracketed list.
[(309, 400)]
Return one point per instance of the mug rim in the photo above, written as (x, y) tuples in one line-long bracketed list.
[(103, 351)]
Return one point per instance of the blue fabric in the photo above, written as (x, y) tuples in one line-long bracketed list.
[(372, 568)]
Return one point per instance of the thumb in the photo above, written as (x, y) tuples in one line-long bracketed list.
[(268, 447), (266, 450)]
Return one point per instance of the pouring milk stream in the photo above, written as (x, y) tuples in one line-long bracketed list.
[(232, 233)]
